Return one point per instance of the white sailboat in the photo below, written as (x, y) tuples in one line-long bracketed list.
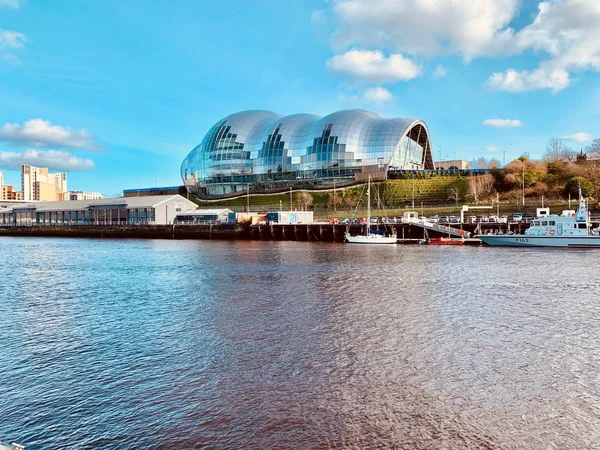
[(368, 237)]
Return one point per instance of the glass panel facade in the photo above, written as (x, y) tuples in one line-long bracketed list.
[(265, 152)]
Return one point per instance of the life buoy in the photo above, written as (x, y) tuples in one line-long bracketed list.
[(552, 232)]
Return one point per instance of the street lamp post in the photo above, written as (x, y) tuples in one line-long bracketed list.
[(413, 190), (523, 184), (334, 197), (248, 198), (291, 202)]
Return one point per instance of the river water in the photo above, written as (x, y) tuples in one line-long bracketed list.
[(157, 344)]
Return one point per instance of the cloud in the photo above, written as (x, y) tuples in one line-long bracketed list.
[(377, 95), (563, 35), (440, 71), (12, 39), (430, 28), (11, 3), (41, 133), (11, 59), (513, 81), (373, 66), (490, 148), (503, 123), (317, 17), (579, 137), (56, 160)]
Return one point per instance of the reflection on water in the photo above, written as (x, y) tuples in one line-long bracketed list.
[(187, 344)]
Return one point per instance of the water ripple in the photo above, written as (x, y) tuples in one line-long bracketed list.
[(168, 344)]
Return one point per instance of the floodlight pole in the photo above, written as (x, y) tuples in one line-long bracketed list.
[(413, 190), (334, 197), (523, 184)]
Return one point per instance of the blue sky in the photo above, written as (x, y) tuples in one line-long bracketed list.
[(118, 92)]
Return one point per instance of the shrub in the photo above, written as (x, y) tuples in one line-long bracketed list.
[(573, 184)]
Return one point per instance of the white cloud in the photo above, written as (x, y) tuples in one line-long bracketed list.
[(542, 78), (12, 39), (11, 59), (490, 148), (563, 35), (41, 133), (377, 95), (503, 123), (579, 137), (470, 28), (440, 71), (317, 17), (10, 3), (374, 66), (53, 159)]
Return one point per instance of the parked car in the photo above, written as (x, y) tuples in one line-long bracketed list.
[(517, 217), (503, 219), (492, 219), (433, 219)]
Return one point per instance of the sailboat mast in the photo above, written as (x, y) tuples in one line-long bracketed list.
[(368, 204)]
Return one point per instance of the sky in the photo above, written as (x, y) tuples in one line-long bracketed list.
[(117, 93)]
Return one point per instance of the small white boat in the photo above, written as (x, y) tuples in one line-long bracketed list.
[(12, 446), (566, 230), (369, 237)]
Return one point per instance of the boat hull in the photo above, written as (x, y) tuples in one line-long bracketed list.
[(519, 240), (445, 241), (372, 239)]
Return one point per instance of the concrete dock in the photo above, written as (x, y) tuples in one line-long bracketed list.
[(319, 232)]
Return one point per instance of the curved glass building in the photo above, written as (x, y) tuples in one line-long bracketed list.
[(264, 152)]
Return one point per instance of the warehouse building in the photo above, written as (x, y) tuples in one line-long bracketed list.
[(206, 216), (155, 210)]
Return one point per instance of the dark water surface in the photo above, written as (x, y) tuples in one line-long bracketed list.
[(137, 344)]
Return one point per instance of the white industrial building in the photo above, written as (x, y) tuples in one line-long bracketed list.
[(81, 195), (220, 215), (151, 210)]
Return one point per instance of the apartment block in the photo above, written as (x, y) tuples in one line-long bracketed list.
[(9, 193), (39, 184)]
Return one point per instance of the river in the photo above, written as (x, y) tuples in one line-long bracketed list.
[(158, 344)]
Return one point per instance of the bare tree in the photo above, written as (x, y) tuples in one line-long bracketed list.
[(349, 202), (487, 183), (305, 199), (474, 188), (481, 163), (454, 194), (593, 150), (493, 163), (557, 150)]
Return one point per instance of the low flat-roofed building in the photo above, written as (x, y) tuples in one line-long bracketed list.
[(453, 164), (159, 210), (81, 195), (206, 216), (290, 217), (144, 192)]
